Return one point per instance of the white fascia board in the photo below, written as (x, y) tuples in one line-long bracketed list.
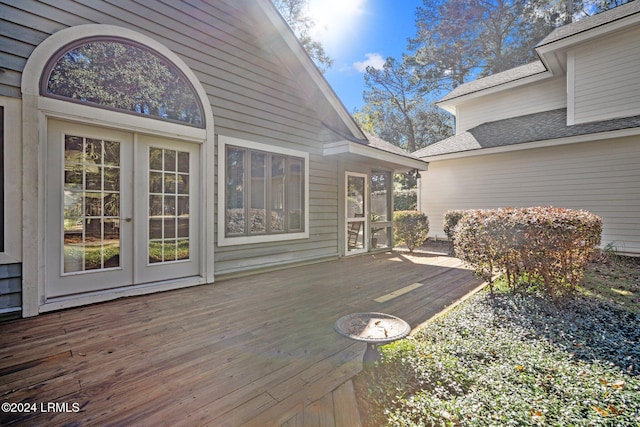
[(350, 147), (313, 72), (536, 144)]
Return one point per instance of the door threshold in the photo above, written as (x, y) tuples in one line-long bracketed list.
[(69, 301)]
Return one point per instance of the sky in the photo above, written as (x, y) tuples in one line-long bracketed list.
[(357, 33)]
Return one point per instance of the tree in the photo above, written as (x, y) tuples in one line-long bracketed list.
[(396, 109), (456, 41), (448, 46), (294, 13), (460, 40)]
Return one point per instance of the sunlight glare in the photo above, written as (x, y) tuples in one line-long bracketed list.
[(336, 22)]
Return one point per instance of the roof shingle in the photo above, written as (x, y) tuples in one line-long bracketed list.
[(517, 130)]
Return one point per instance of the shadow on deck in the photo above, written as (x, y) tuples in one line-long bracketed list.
[(257, 350)]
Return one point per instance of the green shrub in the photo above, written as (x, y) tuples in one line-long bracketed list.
[(411, 227), (451, 219), (546, 244), (405, 200)]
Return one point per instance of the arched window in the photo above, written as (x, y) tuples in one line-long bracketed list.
[(118, 74)]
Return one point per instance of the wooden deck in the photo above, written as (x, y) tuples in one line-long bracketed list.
[(257, 350)]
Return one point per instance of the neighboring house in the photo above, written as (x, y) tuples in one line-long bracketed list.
[(563, 131), (219, 150)]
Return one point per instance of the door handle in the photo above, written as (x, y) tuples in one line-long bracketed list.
[(128, 219)]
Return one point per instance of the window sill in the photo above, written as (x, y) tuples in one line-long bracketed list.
[(247, 240)]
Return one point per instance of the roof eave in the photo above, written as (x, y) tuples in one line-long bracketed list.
[(400, 163)]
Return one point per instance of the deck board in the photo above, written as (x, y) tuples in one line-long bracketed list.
[(257, 350)]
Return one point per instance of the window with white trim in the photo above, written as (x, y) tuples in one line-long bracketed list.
[(264, 192), (122, 75)]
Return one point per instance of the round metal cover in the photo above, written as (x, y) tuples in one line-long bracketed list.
[(372, 327)]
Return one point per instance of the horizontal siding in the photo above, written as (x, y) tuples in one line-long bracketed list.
[(10, 291), (606, 80), (241, 65), (541, 96), (601, 177)]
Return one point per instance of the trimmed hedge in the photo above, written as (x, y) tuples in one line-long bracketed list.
[(451, 219), (411, 227), (547, 244)]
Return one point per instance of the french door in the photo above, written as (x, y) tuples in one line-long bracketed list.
[(122, 209)]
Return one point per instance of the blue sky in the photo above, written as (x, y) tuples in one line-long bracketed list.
[(357, 33)]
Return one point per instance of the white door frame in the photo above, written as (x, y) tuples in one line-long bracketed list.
[(36, 110)]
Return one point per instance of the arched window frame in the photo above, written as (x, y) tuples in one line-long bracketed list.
[(60, 53), (36, 109)]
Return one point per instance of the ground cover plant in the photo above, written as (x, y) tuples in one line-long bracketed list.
[(519, 358)]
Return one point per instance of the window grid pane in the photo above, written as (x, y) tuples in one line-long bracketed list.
[(258, 183), (258, 193), (91, 208), (235, 189), (168, 205)]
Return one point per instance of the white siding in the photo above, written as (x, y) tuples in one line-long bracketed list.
[(602, 177), (541, 96), (606, 83)]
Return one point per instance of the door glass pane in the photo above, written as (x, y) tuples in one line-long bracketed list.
[(355, 212), (168, 205), (355, 197), (380, 209), (91, 211)]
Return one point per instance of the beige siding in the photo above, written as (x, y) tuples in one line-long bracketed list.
[(541, 96), (606, 83), (602, 177), (233, 52)]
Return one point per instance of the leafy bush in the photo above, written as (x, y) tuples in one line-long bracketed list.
[(451, 219), (411, 227), (405, 200), (542, 244)]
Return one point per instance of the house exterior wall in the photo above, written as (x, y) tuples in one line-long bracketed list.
[(600, 176), (254, 95), (604, 79), (541, 96)]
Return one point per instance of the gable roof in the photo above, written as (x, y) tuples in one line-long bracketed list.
[(544, 126)]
